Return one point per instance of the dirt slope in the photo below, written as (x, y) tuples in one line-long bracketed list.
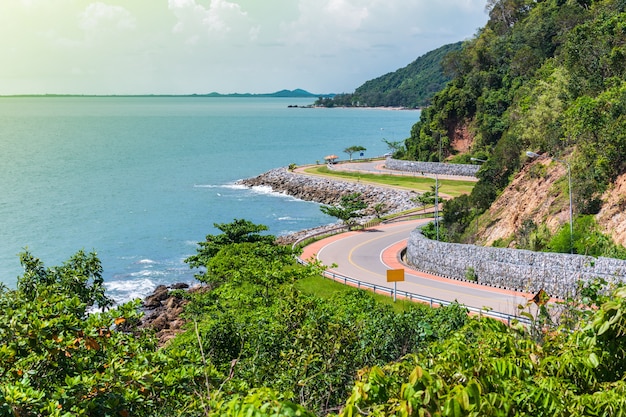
[(612, 217), (541, 196)]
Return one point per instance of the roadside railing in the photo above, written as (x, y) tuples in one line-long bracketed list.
[(431, 301)]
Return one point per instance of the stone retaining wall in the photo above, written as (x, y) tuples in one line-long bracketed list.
[(556, 273), (433, 167), (328, 191)]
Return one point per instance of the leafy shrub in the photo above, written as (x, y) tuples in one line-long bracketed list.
[(587, 240), (57, 359), (470, 274)]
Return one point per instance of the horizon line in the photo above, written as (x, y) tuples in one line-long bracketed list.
[(296, 93)]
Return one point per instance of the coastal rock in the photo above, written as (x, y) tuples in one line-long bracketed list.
[(329, 191), (163, 311), (292, 238), (154, 300)]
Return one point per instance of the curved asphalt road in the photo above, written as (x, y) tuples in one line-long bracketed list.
[(367, 255)]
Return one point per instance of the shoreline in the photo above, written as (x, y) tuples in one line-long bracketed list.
[(328, 191), (162, 309)]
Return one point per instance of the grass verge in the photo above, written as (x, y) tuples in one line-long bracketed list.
[(453, 188), (327, 288)]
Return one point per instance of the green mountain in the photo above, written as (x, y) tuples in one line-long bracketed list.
[(412, 86), (542, 76)]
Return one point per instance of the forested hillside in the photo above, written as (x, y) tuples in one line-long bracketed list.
[(412, 86), (541, 76)]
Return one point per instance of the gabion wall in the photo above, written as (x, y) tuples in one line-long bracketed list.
[(433, 167), (522, 270)]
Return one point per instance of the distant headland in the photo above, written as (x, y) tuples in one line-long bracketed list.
[(297, 93)]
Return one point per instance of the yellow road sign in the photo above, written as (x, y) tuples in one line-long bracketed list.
[(395, 275)]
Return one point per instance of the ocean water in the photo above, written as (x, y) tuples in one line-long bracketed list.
[(141, 180)]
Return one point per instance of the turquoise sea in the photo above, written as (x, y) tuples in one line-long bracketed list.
[(140, 180)]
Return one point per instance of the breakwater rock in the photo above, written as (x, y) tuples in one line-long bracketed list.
[(329, 191)]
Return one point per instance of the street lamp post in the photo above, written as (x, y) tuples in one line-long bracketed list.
[(569, 189), (437, 204), (437, 191)]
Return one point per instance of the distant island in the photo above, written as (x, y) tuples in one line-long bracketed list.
[(297, 93)]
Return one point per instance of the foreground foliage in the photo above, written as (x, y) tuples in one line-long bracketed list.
[(487, 369), (256, 346), (259, 331), (58, 360)]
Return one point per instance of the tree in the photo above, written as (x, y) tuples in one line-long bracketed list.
[(395, 147), (239, 231), (457, 215), (380, 209), (81, 276), (347, 209), (354, 149), (425, 199)]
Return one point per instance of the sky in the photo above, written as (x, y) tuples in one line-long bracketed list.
[(224, 46)]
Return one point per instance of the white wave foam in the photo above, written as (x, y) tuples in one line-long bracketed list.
[(146, 273), (146, 261), (267, 191), (130, 285), (289, 218), (126, 290), (263, 189), (234, 186)]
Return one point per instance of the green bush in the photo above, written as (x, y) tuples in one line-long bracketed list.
[(587, 240), (470, 274), (56, 359)]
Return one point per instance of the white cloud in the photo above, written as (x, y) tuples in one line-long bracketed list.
[(99, 16), (219, 19), (344, 14)]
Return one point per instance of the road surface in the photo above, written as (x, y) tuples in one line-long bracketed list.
[(378, 167), (367, 255)]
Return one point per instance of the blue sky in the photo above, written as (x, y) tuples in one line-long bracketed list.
[(201, 46)]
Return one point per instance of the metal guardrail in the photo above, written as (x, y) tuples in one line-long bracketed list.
[(432, 302)]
